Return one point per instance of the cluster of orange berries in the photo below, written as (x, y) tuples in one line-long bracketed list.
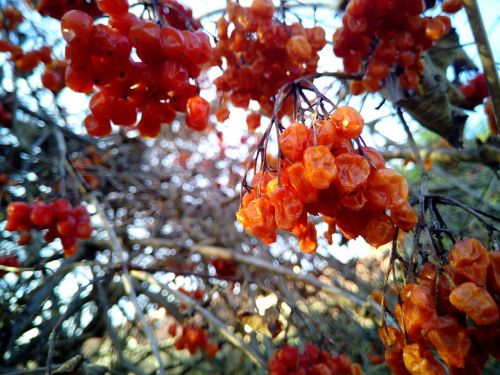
[(224, 267), (193, 338), (289, 361), (57, 8), (9, 261), (60, 218), (452, 311), (262, 55), (323, 174), (401, 35), (475, 90), (157, 86)]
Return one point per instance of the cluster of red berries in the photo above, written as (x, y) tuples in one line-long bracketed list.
[(322, 173), (26, 61), (60, 218), (289, 361), (157, 86), (452, 311), (401, 35), (475, 90), (9, 261), (262, 55), (5, 115), (224, 267), (192, 339), (57, 8)]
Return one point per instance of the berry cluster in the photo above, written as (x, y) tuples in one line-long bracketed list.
[(261, 54), (157, 86), (9, 261), (322, 173), (452, 311), (312, 360), (60, 218), (192, 338), (475, 91), (26, 61), (400, 34), (224, 267), (57, 8)]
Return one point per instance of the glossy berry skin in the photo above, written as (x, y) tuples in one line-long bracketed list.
[(293, 141), (452, 6), (172, 42), (41, 214), (113, 7), (420, 361), (76, 26), (348, 121), (476, 302), (96, 127), (288, 207), (308, 242), (354, 170), (320, 167), (198, 111), (469, 262), (18, 216)]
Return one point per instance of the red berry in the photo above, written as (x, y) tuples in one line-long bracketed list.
[(76, 26), (41, 214), (198, 111), (113, 7)]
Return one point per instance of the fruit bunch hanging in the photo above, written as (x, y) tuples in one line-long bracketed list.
[(313, 360), (323, 169), (379, 36), (60, 218), (262, 54), (157, 84), (450, 310), (193, 338)]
